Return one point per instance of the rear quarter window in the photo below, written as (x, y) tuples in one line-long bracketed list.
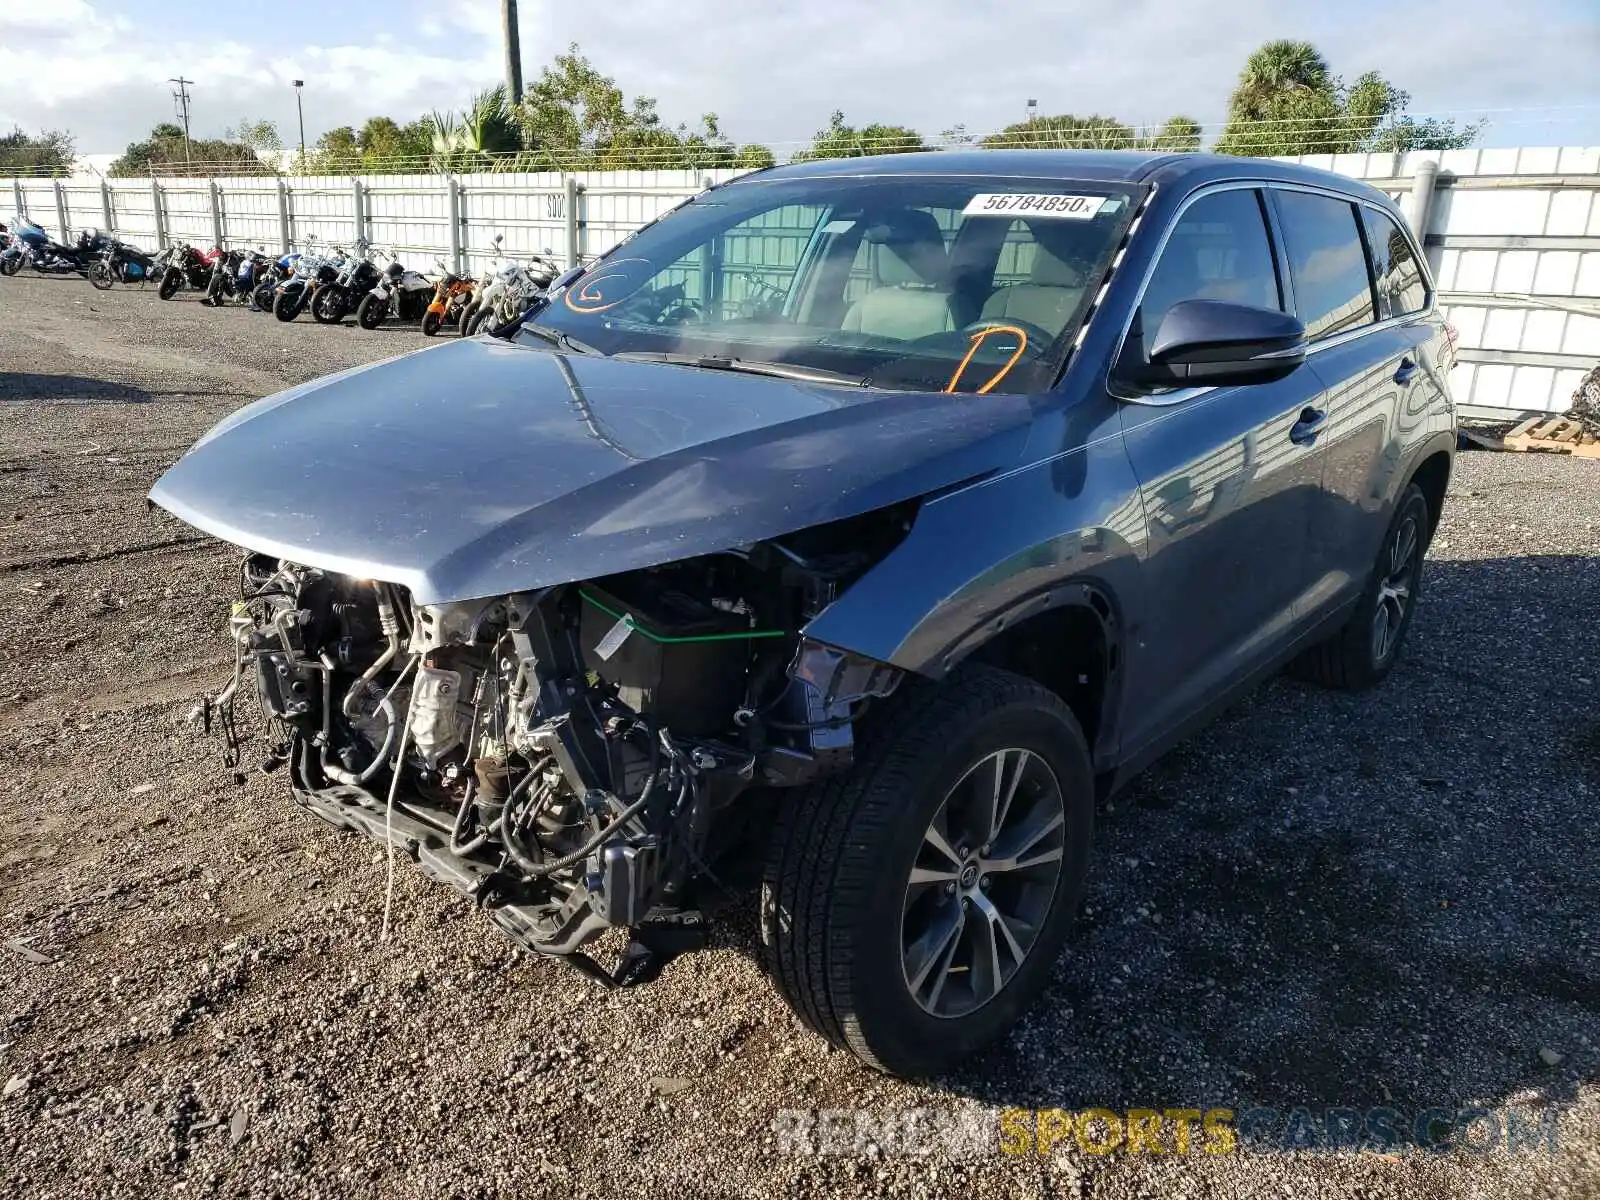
[(1327, 262), (1395, 271)]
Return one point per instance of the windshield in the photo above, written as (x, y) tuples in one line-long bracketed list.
[(912, 282)]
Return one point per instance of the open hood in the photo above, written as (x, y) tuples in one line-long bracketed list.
[(484, 467)]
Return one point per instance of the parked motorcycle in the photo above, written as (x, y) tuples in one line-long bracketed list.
[(268, 279), (400, 293), (188, 268), (31, 246), (450, 298), (358, 274), (121, 263), (233, 277), (515, 288), (486, 277), (294, 294)]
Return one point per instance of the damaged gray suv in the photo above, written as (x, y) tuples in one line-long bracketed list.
[(859, 523)]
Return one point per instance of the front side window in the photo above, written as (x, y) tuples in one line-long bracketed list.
[(1217, 251), (1326, 261), (1395, 272), (889, 281)]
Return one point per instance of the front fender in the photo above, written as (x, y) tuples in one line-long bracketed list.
[(1004, 549)]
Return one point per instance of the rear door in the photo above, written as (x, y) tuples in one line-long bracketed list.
[(1359, 290), (1228, 476)]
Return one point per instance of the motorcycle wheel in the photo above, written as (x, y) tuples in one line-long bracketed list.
[(372, 311), (464, 319), (481, 318), (287, 305), (262, 297), (431, 320), (170, 283), (10, 264), (100, 275), (329, 306)]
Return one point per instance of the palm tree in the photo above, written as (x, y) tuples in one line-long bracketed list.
[(1276, 70)]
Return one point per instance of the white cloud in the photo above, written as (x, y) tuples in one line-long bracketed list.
[(775, 71)]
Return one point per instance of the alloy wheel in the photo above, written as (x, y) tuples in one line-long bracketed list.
[(1394, 589), (982, 885)]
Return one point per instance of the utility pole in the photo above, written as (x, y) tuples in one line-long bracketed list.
[(301, 113), (512, 38), (181, 101)]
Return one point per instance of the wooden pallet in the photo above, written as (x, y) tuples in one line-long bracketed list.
[(1553, 434)]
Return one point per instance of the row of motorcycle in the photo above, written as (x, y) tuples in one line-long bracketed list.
[(330, 282)]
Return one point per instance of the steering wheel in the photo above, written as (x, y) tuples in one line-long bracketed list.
[(1038, 337), (681, 311)]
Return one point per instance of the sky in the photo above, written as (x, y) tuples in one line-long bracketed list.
[(773, 70)]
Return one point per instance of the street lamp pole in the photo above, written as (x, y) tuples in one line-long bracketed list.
[(299, 108)]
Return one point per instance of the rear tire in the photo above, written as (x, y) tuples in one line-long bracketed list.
[(1366, 647), (847, 885), (10, 265), (171, 281), (372, 311)]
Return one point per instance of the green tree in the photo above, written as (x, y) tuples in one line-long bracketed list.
[(1289, 101), (165, 152), (575, 117), (337, 152), (387, 145), (839, 140), (1176, 133), (261, 136), (1064, 132), (51, 152)]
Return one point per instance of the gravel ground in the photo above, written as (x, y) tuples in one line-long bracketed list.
[(1322, 901)]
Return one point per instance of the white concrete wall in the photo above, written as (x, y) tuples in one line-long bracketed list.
[(1513, 237)]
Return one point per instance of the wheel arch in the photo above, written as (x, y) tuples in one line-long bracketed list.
[(1068, 639), (1432, 475)]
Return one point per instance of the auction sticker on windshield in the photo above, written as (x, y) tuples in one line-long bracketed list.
[(1033, 204)]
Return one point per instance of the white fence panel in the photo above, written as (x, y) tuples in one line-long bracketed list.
[(1513, 236)]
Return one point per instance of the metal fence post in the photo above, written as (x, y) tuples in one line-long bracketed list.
[(61, 211), (16, 194), (574, 226), (107, 213), (1420, 209), (358, 210), (216, 211), (156, 213), (453, 205), (283, 216)]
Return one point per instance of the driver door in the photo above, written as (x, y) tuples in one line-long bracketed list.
[(1229, 481)]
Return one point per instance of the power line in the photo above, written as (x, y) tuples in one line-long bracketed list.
[(181, 100)]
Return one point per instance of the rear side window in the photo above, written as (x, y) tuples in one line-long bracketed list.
[(1326, 262), (1218, 251), (1395, 272)]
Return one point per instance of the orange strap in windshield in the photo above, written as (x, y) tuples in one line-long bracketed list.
[(978, 339)]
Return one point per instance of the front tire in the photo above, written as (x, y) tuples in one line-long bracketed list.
[(329, 306), (372, 311), (913, 907), (1366, 647), (431, 321), (287, 305), (171, 281), (100, 276)]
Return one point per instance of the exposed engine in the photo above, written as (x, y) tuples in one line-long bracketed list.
[(573, 758)]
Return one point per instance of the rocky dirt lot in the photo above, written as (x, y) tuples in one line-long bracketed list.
[(1325, 900)]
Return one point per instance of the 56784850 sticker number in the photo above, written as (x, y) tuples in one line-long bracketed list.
[(1033, 204)]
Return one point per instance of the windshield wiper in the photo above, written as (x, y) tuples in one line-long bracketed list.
[(722, 362), (557, 338)]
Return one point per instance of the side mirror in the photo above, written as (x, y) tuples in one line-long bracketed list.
[(1216, 343)]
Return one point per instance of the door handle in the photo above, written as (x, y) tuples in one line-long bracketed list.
[(1305, 430), (1406, 371)]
